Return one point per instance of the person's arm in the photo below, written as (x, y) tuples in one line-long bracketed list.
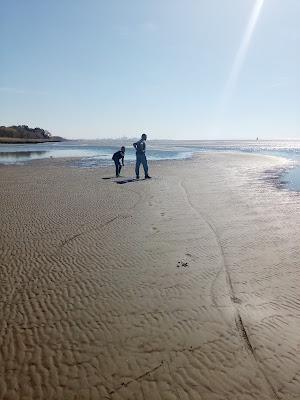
[(123, 161), (137, 145)]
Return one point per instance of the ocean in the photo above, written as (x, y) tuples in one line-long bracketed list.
[(94, 154)]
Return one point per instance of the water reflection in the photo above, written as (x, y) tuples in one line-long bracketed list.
[(291, 179), (14, 156)]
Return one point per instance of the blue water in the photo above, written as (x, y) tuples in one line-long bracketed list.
[(88, 155), (291, 179), (94, 154)]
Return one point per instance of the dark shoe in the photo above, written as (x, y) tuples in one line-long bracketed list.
[(117, 176), (137, 177), (147, 177)]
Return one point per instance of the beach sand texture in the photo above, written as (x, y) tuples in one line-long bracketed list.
[(183, 287)]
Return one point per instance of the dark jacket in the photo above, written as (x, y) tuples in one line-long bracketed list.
[(118, 155), (140, 146)]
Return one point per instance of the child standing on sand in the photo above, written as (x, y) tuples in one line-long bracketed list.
[(119, 155)]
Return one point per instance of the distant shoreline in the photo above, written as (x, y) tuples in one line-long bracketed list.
[(8, 140)]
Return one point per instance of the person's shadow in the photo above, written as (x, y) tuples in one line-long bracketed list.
[(128, 180)]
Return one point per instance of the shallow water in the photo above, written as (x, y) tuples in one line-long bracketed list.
[(94, 154), (91, 155), (291, 179)]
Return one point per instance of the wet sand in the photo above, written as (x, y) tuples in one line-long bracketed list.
[(183, 287)]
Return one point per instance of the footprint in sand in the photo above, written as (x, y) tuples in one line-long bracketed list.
[(236, 300)]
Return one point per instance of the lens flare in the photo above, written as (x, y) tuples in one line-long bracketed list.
[(241, 55)]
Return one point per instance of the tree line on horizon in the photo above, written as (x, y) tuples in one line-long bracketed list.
[(23, 132)]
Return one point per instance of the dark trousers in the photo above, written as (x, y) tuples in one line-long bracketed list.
[(141, 159), (118, 167)]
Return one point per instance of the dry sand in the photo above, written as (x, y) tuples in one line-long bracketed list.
[(183, 287)]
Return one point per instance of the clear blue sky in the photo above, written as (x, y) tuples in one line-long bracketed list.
[(95, 68)]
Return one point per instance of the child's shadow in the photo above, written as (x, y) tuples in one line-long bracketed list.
[(128, 180)]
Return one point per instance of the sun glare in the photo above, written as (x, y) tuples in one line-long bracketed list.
[(241, 55)]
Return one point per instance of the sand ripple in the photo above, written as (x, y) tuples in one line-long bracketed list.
[(185, 287)]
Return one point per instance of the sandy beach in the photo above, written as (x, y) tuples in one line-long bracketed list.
[(185, 287)]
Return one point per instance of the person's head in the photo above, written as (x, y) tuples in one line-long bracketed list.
[(144, 136), (123, 149)]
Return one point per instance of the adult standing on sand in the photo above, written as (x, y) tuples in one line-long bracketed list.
[(141, 158)]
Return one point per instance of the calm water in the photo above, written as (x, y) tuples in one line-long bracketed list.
[(93, 154)]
